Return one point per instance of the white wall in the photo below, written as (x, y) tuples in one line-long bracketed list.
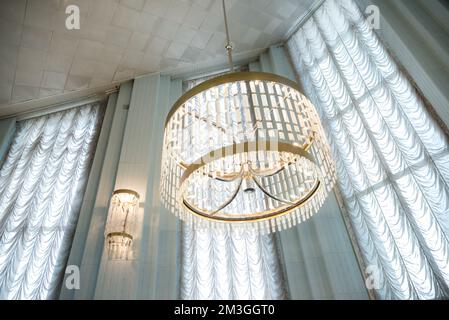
[(131, 160), (151, 272), (417, 33)]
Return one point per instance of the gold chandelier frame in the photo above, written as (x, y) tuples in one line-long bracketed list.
[(243, 147)]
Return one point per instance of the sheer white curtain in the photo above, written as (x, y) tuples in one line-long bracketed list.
[(392, 158), (42, 184), (229, 264)]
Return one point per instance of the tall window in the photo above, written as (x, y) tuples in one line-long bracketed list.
[(392, 158), (230, 265), (42, 183)]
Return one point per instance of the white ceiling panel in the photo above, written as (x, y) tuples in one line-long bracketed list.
[(121, 39)]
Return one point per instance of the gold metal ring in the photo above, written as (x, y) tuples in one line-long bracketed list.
[(118, 191), (120, 234), (261, 145), (269, 214), (230, 77)]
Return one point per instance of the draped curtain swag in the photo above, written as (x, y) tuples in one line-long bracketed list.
[(392, 158), (42, 183)]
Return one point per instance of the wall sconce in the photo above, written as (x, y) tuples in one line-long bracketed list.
[(119, 225)]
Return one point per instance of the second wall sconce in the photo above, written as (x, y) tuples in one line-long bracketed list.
[(120, 222)]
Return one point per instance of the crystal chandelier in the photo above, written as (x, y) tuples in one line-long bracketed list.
[(119, 225), (245, 149)]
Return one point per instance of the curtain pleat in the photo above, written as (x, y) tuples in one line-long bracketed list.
[(392, 158), (42, 183), (230, 265)]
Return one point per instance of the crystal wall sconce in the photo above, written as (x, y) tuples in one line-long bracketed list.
[(120, 223)]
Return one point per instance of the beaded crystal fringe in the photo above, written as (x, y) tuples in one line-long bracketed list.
[(119, 247)]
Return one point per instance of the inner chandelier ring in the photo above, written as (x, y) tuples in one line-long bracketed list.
[(250, 176)]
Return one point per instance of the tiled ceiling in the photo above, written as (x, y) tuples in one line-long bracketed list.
[(121, 39)]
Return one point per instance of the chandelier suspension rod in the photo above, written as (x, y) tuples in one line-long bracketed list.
[(228, 45)]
